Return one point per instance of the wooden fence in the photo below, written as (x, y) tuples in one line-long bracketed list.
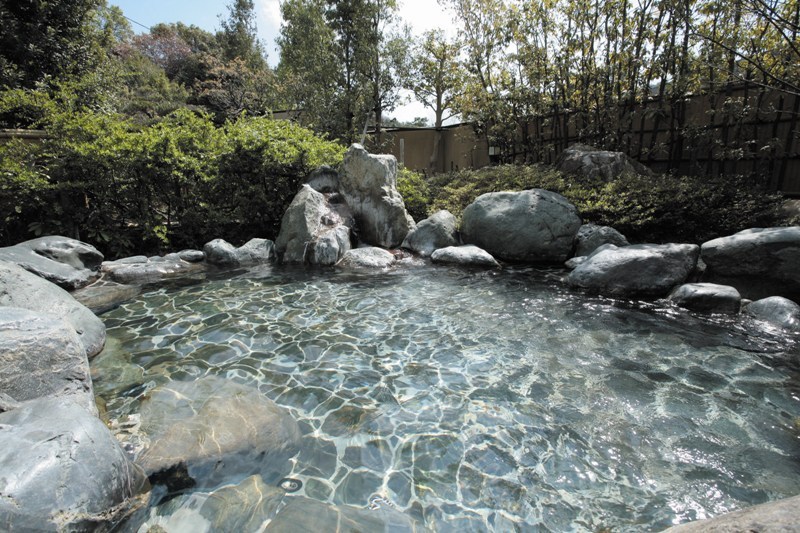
[(742, 130)]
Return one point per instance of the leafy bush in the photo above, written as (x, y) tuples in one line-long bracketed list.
[(178, 182), (413, 187), (660, 209)]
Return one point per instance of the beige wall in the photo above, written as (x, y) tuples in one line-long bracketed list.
[(436, 151)]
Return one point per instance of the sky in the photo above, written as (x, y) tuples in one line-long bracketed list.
[(421, 15)]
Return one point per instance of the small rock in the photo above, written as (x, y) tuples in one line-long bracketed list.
[(369, 257), (192, 256), (439, 230), (776, 310), (467, 255), (707, 298), (591, 236)]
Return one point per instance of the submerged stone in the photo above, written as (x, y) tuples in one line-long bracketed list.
[(242, 507), (303, 514), (209, 431), (369, 257)]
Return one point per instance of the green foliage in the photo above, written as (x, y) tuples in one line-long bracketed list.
[(414, 189), (661, 209), (177, 182)]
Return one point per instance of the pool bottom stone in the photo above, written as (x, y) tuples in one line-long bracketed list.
[(491, 401)]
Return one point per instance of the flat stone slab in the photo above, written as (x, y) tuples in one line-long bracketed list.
[(68, 263), (135, 271), (104, 295), (782, 516)]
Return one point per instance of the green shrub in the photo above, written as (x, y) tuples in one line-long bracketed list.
[(414, 189), (181, 181), (646, 209)]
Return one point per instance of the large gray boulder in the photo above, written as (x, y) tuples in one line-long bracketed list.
[(315, 229), (304, 514), (207, 432), (782, 516), (61, 469), (534, 226), (68, 263), (439, 230), (707, 298), (590, 237), (20, 288), (369, 185), (466, 255), (41, 355), (370, 257), (150, 269), (776, 310), (759, 262), (638, 270), (589, 162), (255, 251)]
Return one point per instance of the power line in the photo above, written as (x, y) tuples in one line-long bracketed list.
[(138, 23)]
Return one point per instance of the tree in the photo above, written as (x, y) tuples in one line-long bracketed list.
[(342, 61), (308, 68), (40, 39), (238, 36), (436, 77)]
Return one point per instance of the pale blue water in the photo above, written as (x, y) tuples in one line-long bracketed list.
[(484, 400)]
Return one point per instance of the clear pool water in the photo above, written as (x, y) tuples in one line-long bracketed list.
[(483, 401)]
